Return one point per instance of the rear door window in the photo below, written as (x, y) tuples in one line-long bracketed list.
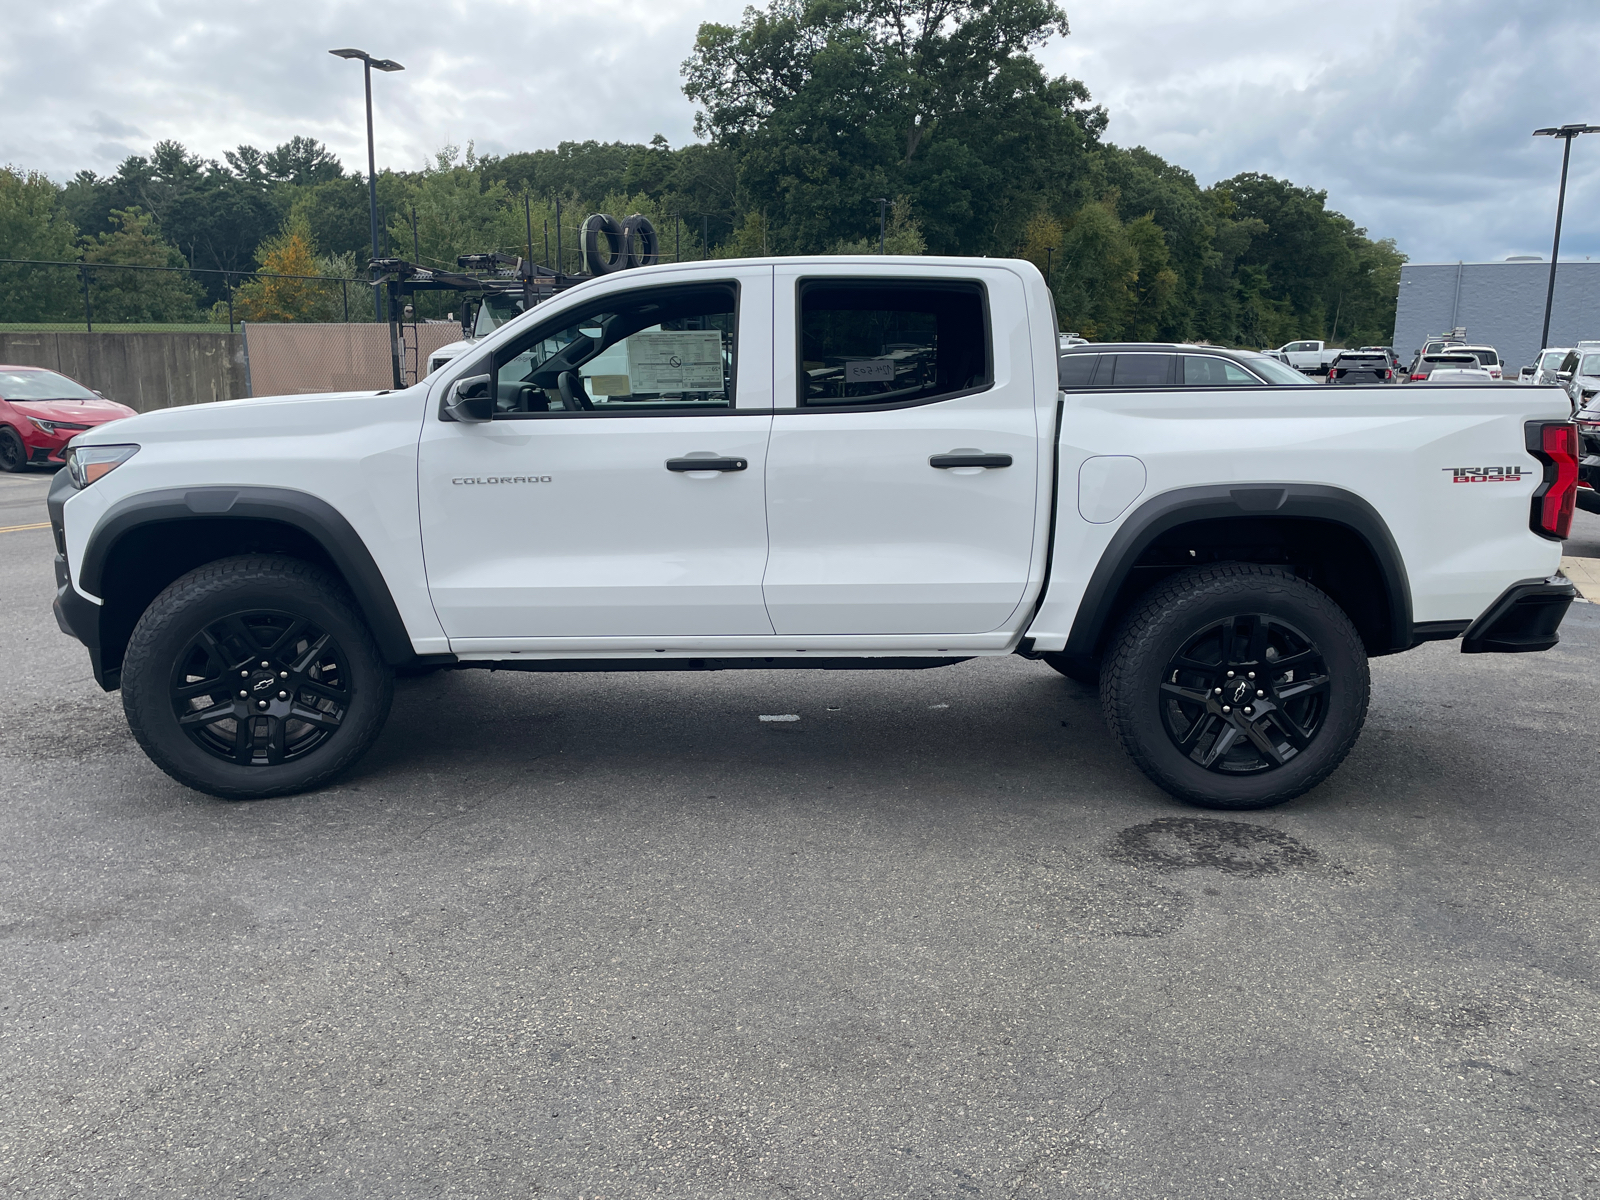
[(1138, 370), (1204, 370), (886, 342)]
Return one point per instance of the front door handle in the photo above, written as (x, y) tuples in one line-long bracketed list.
[(968, 458), (708, 464)]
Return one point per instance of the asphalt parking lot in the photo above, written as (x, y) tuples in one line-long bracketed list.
[(592, 936)]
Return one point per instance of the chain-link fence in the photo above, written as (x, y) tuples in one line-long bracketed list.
[(100, 297), (145, 336)]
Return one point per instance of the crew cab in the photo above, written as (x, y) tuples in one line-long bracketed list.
[(836, 463)]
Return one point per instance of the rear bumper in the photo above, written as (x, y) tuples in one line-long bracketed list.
[(1524, 619)]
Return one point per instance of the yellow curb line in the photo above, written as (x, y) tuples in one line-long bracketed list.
[(20, 528)]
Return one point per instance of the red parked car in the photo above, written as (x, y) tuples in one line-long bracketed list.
[(41, 411)]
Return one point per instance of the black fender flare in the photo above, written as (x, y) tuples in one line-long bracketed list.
[(1168, 510), (314, 517)]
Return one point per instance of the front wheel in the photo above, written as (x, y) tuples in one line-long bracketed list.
[(13, 454), (254, 676), (1236, 686)]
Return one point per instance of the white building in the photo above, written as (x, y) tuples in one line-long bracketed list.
[(1501, 304)]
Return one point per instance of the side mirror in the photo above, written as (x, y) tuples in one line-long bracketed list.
[(470, 400)]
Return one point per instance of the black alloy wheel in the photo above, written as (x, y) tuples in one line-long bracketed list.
[(1236, 685), (260, 688), (1246, 694), (13, 454), (255, 676)]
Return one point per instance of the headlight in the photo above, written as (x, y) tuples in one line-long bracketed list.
[(55, 427), (85, 464)]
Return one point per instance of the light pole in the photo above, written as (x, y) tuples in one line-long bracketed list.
[(367, 64), (1566, 133), (883, 213)]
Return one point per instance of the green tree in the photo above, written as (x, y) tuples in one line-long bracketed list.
[(1096, 271), (830, 104), (159, 296), (34, 224)]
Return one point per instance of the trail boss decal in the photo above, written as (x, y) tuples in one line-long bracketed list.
[(501, 479), (1487, 474)]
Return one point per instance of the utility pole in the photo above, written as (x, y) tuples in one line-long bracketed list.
[(883, 221), (383, 64), (1049, 258), (1566, 133)]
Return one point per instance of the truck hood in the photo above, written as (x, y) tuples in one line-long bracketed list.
[(81, 412), (256, 416)]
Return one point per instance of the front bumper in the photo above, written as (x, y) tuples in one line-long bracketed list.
[(80, 618), (77, 616), (1524, 619)]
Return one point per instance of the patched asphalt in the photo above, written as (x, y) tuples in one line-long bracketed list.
[(613, 936)]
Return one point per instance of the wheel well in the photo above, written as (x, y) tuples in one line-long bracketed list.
[(1331, 556), (148, 557)]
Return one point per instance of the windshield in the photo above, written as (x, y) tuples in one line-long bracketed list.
[(1274, 371), (1552, 359), (495, 311), (1591, 365), (41, 385)]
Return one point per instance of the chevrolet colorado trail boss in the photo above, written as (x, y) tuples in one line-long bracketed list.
[(808, 462)]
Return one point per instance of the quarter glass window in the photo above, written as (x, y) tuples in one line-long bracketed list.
[(870, 342), (1205, 371), (661, 350)]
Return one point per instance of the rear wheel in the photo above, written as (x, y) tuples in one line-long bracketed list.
[(254, 677), (13, 454), (1236, 686)]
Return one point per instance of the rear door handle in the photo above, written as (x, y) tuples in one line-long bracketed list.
[(708, 464), (969, 459)]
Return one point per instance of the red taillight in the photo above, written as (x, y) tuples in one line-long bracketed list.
[(1415, 377), (1388, 374), (1555, 444)]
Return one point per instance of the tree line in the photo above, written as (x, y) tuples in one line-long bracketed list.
[(815, 118)]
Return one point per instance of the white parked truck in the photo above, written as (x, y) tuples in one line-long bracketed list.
[(808, 463), (1314, 358)]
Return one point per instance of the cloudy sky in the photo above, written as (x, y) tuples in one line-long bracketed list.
[(1414, 115)]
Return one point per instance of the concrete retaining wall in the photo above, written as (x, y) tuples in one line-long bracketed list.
[(142, 370)]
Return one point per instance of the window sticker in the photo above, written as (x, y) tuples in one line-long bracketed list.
[(878, 370), (678, 361)]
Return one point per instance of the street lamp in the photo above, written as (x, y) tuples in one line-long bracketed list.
[(382, 64), (1566, 133)]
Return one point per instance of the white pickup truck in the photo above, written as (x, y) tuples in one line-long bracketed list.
[(1314, 358), (809, 463)]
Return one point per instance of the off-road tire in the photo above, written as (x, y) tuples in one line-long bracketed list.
[(1166, 621), (216, 592)]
